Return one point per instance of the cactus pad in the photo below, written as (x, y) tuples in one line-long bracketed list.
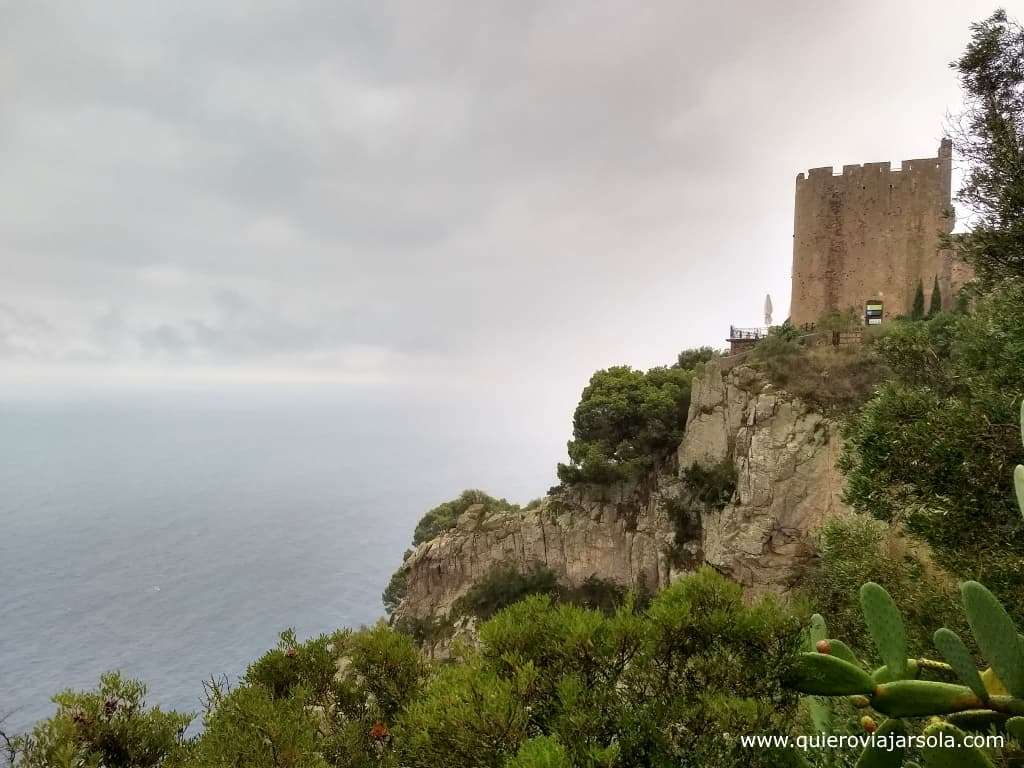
[(957, 756), (959, 658), (879, 756), (996, 635), (821, 675), (920, 698), (886, 626)]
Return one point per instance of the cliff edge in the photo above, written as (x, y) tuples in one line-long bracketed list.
[(777, 453)]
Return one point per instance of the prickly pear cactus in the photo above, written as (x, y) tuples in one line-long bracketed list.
[(971, 700)]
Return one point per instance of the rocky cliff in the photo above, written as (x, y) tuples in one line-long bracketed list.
[(780, 453)]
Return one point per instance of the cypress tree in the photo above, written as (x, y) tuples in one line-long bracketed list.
[(917, 309), (935, 305)]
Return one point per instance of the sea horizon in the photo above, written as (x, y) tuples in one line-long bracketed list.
[(173, 537)]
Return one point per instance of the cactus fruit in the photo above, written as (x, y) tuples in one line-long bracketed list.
[(877, 755), (919, 698), (868, 724), (996, 635), (841, 650), (823, 646), (957, 756), (955, 652), (886, 627), (822, 675)]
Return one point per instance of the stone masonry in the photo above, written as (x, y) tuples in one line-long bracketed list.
[(873, 233)]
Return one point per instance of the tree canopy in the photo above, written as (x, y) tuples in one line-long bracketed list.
[(989, 135)]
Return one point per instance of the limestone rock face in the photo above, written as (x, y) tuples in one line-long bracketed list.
[(783, 454), (622, 535)]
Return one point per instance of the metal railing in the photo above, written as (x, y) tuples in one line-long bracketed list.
[(746, 333)]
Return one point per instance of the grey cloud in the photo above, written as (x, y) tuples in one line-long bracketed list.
[(23, 333), (484, 184)]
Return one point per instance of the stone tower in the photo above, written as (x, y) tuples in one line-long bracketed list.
[(872, 234)]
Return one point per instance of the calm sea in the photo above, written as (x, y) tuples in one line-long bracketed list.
[(174, 537)]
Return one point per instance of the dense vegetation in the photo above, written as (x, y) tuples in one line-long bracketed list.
[(935, 446), (505, 586), (627, 420), (908, 685), (835, 379), (551, 684), (857, 549), (989, 135)]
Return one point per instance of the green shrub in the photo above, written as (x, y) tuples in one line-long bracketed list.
[(468, 715), (712, 486), (249, 726), (504, 586), (934, 447), (387, 670), (396, 589), (917, 307), (602, 595), (786, 332), (540, 752), (686, 519), (626, 422), (444, 516), (330, 701), (710, 670), (690, 359), (835, 379), (658, 687), (580, 657), (857, 549), (839, 321), (704, 488), (109, 726), (293, 665), (935, 302)]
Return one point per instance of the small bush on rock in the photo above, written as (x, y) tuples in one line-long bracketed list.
[(444, 516)]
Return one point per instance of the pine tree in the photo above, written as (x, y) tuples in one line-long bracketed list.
[(989, 137), (935, 305), (917, 309)]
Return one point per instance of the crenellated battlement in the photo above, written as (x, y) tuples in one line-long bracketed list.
[(859, 171)]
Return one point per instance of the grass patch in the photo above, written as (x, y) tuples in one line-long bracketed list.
[(830, 378)]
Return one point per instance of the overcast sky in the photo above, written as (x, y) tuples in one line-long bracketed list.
[(497, 196)]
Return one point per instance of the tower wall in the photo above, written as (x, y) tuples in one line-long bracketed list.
[(872, 232)]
